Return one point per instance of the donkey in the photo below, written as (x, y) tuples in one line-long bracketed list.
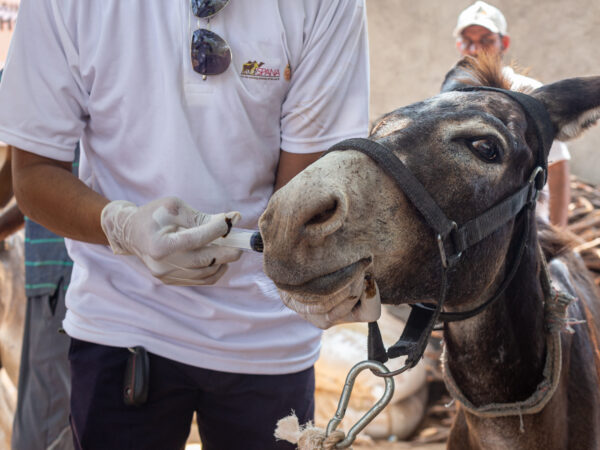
[(521, 353)]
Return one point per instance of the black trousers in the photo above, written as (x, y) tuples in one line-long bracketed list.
[(234, 411)]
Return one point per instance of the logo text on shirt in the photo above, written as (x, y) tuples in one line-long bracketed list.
[(258, 71)]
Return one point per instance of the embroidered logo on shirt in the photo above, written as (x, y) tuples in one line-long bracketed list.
[(258, 71)]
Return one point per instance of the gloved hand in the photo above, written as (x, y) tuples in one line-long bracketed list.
[(171, 238)]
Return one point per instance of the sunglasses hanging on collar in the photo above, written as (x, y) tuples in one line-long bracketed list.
[(211, 54)]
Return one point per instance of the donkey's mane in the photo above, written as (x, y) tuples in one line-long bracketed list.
[(485, 70)]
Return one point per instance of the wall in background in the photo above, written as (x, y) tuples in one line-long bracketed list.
[(412, 48)]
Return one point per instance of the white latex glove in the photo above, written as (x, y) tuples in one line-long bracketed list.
[(171, 238)]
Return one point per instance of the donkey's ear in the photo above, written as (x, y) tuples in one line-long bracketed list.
[(461, 75), (573, 105), (485, 70)]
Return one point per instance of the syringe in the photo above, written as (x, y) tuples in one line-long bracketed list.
[(242, 239)]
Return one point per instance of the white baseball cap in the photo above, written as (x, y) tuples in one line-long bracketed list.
[(480, 13)]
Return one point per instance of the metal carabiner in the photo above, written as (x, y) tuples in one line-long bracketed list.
[(345, 398)]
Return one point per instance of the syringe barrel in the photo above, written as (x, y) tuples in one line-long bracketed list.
[(250, 240)]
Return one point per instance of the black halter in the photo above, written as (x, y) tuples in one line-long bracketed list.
[(452, 239)]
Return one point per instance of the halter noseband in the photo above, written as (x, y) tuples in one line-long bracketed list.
[(452, 239)]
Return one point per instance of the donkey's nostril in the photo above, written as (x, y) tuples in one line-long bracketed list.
[(324, 215)]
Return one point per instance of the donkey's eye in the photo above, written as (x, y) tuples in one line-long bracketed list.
[(487, 149)]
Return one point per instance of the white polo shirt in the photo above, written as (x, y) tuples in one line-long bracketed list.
[(117, 75)]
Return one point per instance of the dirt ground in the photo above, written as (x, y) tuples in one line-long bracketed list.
[(380, 445)]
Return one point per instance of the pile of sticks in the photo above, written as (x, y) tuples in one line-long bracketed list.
[(584, 221)]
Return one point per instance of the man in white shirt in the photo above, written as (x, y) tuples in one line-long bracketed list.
[(482, 28), (189, 114)]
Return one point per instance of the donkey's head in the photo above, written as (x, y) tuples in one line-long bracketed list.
[(342, 233)]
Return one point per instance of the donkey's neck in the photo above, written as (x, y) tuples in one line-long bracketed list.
[(498, 356)]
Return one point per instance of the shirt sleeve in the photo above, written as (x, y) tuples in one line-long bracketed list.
[(42, 100), (328, 97), (558, 152)]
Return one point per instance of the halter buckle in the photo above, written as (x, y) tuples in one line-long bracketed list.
[(448, 261), (536, 183)]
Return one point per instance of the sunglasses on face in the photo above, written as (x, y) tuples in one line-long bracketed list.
[(485, 42), (210, 53)]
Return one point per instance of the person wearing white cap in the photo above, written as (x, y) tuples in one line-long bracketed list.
[(482, 28)]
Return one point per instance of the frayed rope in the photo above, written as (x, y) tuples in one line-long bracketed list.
[(556, 310), (307, 437)]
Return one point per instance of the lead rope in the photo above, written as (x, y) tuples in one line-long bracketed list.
[(306, 437)]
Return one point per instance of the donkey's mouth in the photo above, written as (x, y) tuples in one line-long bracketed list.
[(329, 283), (349, 294)]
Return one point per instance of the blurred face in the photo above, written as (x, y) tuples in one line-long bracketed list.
[(475, 39)]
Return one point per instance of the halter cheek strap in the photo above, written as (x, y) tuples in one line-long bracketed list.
[(421, 322)]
